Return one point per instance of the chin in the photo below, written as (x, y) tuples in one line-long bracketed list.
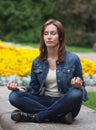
[(49, 45)]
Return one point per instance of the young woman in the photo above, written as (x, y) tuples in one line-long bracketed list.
[(56, 89)]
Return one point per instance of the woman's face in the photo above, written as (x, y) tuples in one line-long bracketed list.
[(50, 36)]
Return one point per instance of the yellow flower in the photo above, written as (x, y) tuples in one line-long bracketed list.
[(89, 67), (18, 61)]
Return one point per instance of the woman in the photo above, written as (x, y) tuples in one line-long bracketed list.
[(57, 88)]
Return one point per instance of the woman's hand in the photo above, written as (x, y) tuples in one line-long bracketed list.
[(76, 82), (12, 85)]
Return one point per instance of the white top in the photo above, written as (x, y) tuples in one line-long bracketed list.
[(51, 84)]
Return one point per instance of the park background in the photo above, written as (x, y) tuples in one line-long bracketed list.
[(20, 25), (21, 20)]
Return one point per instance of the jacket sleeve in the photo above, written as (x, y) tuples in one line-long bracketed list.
[(78, 72)]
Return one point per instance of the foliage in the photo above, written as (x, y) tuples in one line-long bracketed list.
[(21, 20), (79, 19)]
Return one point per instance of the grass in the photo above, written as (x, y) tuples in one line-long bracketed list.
[(91, 103), (79, 49), (34, 45), (69, 48)]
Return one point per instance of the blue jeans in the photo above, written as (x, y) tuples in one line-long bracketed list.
[(46, 107)]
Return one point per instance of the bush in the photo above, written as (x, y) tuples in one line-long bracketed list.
[(21, 20), (88, 39)]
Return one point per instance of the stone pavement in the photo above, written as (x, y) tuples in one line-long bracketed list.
[(89, 56), (84, 121)]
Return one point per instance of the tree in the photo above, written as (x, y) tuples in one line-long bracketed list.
[(21, 20), (78, 16)]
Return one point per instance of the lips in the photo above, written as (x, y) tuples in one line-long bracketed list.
[(49, 41)]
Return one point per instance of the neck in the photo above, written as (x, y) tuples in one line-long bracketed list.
[(53, 53)]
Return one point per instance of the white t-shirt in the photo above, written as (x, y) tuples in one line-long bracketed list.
[(51, 84)]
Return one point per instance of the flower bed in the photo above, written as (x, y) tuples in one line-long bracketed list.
[(16, 60), (15, 64)]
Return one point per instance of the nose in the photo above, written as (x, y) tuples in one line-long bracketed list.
[(49, 35)]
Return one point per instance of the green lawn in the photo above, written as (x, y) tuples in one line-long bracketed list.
[(91, 103), (34, 45), (79, 49), (69, 48)]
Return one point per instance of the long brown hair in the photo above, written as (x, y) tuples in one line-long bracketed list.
[(61, 33)]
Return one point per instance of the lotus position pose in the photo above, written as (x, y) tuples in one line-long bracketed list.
[(56, 88)]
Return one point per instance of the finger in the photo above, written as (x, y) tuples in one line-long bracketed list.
[(79, 80), (12, 85), (73, 81), (10, 82)]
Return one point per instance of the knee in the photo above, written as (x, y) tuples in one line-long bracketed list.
[(13, 97), (76, 94)]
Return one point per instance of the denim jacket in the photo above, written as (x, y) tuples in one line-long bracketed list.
[(65, 71)]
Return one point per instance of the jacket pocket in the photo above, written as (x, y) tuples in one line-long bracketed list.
[(39, 74), (68, 73)]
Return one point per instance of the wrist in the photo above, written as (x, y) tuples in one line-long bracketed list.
[(21, 89)]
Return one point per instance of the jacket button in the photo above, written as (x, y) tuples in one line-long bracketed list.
[(58, 80), (57, 70), (68, 70)]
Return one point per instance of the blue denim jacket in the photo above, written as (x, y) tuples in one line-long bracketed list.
[(65, 71)]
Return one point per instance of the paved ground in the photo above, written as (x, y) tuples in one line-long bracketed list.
[(90, 56), (85, 120), (0, 128)]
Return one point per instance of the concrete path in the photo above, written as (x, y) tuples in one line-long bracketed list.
[(86, 120), (89, 56)]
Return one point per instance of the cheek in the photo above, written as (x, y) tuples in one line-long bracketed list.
[(44, 38), (56, 39)]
